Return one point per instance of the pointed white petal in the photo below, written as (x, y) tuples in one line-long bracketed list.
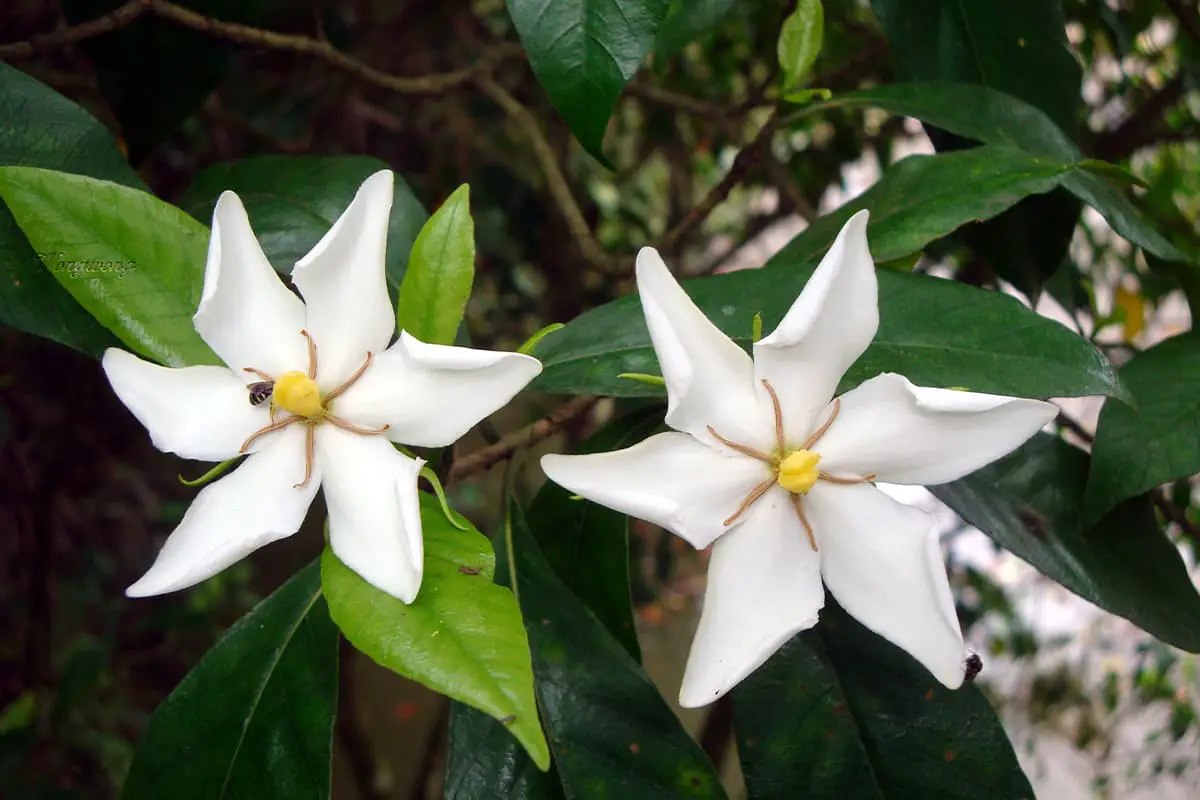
[(912, 434), (374, 515), (670, 480), (254, 505), (764, 587), (246, 314), (825, 331), (431, 394), (710, 380), (882, 563), (342, 281), (195, 412)]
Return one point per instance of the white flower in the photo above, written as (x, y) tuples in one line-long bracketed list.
[(313, 393), (742, 471)]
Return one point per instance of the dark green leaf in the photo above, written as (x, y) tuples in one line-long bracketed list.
[(936, 332), (462, 636), (800, 42), (841, 713), (440, 272), (1030, 503), (484, 762), (134, 262), (990, 116), (688, 21), (587, 544), (1154, 439), (584, 52), (255, 717), (294, 201), (41, 128)]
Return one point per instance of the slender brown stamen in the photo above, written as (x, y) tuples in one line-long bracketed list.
[(845, 481), (778, 416), (259, 373), (309, 454), (837, 404), (274, 426), (312, 355), (796, 504), (755, 493), (352, 379), (741, 448), (346, 426)]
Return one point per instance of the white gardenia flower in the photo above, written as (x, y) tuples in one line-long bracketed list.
[(765, 466), (312, 392)]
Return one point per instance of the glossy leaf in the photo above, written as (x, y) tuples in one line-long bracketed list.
[(255, 717), (936, 332), (463, 636), (584, 52), (588, 545), (841, 713), (484, 762), (1154, 439), (1030, 502), (293, 201), (41, 128), (440, 272), (990, 116), (800, 42), (133, 261)]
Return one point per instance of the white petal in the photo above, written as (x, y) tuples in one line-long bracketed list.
[(669, 479), (825, 331), (374, 515), (710, 380), (246, 314), (432, 394), (764, 587), (882, 563), (343, 282), (195, 412), (912, 434), (254, 505)]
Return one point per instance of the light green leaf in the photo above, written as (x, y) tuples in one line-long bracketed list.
[(463, 636), (440, 272), (133, 261), (800, 43)]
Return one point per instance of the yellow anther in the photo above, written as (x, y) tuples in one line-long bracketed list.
[(298, 393), (798, 471)]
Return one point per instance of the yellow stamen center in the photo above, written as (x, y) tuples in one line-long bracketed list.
[(798, 471), (298, 393)]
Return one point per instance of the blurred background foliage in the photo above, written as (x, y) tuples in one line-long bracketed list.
[(85, 499)]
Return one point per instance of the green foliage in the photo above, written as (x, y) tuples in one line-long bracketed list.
[(441, 269), (800, 43)]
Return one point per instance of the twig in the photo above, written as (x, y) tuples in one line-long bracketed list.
[(114, 20), (1175, 514), (1138, 129), (1075, 427), (528, 436), (556, 181)]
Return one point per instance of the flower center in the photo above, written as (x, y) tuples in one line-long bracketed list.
[(297, 392), (794, 470)]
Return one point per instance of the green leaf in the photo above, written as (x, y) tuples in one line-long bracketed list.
[(1154, 439), (934, 331), (133, 261), (922, 198), (800, 42), (688, 21), (484, 761), (990, 116), (255, 717), (463, 636), (293, 201), (841, 713), (584, 52), (441, 269), (41, 128), (587, 544), (1030, 503)]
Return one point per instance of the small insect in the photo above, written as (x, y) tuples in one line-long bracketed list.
[(509, 720), (974, 667), (261, 392), (469, 570)]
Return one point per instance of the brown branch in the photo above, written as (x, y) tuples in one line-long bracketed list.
[(1174, 513), (1075, 427), (1139, 128), (528, 436), (65, 37)]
